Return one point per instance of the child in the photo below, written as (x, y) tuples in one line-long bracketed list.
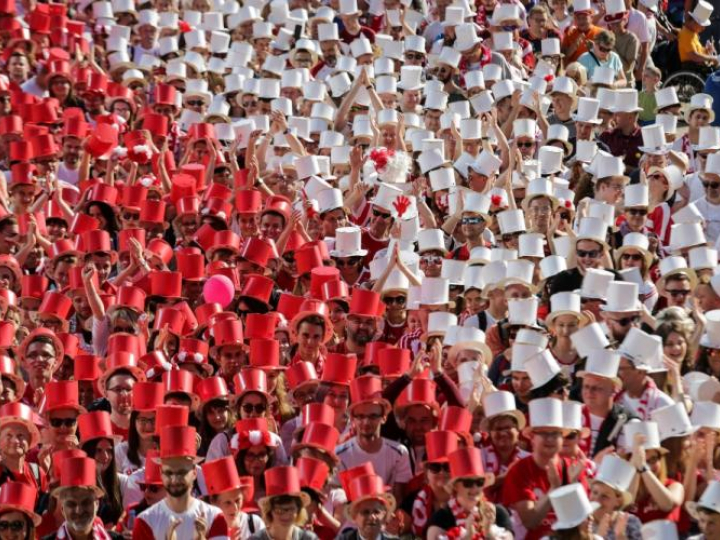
[(646, 97)]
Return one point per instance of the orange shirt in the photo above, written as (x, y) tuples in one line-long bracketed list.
[(574, 36)]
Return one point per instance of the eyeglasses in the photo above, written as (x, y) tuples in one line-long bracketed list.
[(258, 408), (399, 300), (626, 321), (15, 526), (120, 390), (472, 220), (372, 417), (678, 292), (381, 214), (437, 468), (285, 510), (604, 49), (248, 104), (147, 422), (469, 483), (632, 257), (594, 254), (414, 56), (195, 102), (431, 259), (637, 211), (347, 263), (131, 216), (711, 185), (525, 144), (60, 422), (541, 209)]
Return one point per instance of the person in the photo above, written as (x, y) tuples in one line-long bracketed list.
[(610, 489), (369, 509), (17, 517), (179, 512), (692, 52)]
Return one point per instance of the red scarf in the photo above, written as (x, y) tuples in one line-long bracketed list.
[(649, 396), (459, 531), (98, 531), (422, 510)]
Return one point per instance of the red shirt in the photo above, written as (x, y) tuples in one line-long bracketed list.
[(122, 432), (373, 245), (646, 510), (526, 481)]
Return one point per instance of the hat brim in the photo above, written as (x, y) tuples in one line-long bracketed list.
[(582, 318), (615, 380), (384, 403), (476, 346), (32, 428), (297, 319), (97, 490), (516, 414), (300, 446), (386, 498), (561, 525), (264, 503)]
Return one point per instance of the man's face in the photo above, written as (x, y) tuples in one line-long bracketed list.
[(361, 329), (711, 183), (677, 292), (547, 441), (352, 23), (367, 419), (119, 393), (596, 391), (103, 266), (619, 324), (310, 337), (178, 476), (370, 516), (79, 508), (271, 226), (330, 51), (709, 523), (232, 358), (583, 20), (589, 254), (521, 383), (23, 195), (411, 98), (61, 270), (40, 360), (9, 391), (14, 440), (626, 120), (19, 68), (418, 421), (629, 374)]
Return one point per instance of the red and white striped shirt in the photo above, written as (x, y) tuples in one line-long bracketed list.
[(155, 522)]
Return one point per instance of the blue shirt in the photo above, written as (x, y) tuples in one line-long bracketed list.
[(712, 87), (589, 63)]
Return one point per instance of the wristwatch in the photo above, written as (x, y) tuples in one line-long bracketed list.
[(643, 469)]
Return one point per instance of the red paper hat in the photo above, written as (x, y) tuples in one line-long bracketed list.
[(7, 336), (19, 413), (96, 241), (133, 197), (439, 445), (117, 91), (81, 224), (250, 380), (366, 303), (125, 235), (283, 480), (279, 205), (79, 472), (211, 389), (466, 463), (86, 368), (367, 389), (192, 351), (170, 415), (157, 124), (248, 201), (171, 318), (217, 208), (183, 185), (166, 284), (11, 124), (97, 83), (181, 381), (217, 191), (265, 354), (394, 362), (103, 193), (224, 240), (159, 248), (178, 441), (320, 436), (457, 419), (201, 130), (295, 241), (165, 94), (307, 258), (147, 396), (312, 307), (227, 333), (20, 497), (258, 251), (95, 425), (339, 368), (221, 476), (313, 473), (120, 361), (21, 151), (197, 171), (221, 268), (75, 126), (62, 247), (372, 351), (152, 211), (59, 457), (61, 395), (258, 288), (261, 325), (319, 276), (7, 7), (289, 305), (23, 174), (7, 298), (153, 477), (103, 139), (188, 206), (55, 305), (205, 236), (130, 297), (54, 211), (348, 475), (70, 343), (155, 363), (299, 374), (335, 290), (204, 312), (321, 246), (418, 392), (369, 487)]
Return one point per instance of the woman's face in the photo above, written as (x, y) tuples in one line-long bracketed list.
[(95, 211), (218, 413), (13, 526), (256, 460), (504, 433), (145, 425), (654, 461), (104, 454), (606, 496), (253, 405), (389, 136), (565, 325), (7, 278), (338, 397), (230, 503), (60, 88), (468, 492), (438, 475), (675, 346)]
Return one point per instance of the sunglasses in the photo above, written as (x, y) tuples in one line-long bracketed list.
[(637, 211), (525, 144), (627, 321), (399, 300), (594, 254), (472, 220), (248, 104), (678, 292), (437, 468), (469, 483), (129, 216), (195, 102), (347, 263), (565, 216), (632, 257), (604, 49), (258, 408), (431, 259), (509, 236), (510, 28), (15, 526), (381, 214), (60, 422), (711, 185), (414, 56)]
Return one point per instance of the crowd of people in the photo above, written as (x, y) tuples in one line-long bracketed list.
[(358, 270)]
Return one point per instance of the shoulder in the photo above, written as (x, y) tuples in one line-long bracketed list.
[(396, 447), (344, 447)]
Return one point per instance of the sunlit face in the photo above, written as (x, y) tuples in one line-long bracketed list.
[(256, 460), (232, 358), (675, 346), (14, 441), (521, 383), (230, 503), (79, 507), (418, 420), (310, 337), (565, 325), (367, 419), (609, 499), (370, 516), (119, 389), (104, 454)]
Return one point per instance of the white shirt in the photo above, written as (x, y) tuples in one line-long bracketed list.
[(391, 463), (660, 399), (711, 214), (159, 518), (220, 447), (122, 462)]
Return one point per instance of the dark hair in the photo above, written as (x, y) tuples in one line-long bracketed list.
[(107, 213), (133, 451), (111, 505), (315, 320), (555, 385), (30, 526), (206, 431), (685, 330), (242, 471), (286, 499)]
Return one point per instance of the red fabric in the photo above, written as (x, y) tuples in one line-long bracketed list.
[(647, 511), (372, 245)]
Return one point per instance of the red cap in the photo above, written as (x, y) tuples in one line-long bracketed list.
[(439, 445), (79, 472), (178, 441), (313, 473), (61, 395), (466, 462), (339, 368), (147, 396), (221, 476), (95, 425)]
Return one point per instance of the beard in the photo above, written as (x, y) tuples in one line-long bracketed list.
[(177, 491)]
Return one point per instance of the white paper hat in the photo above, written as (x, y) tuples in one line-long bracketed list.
[(431, 240), (706, 414), (686, 235), (511, 221), (702, 13), (673, 421), (587, 111), (616, 473), (648, 428), (552, 265), (532, 245), (502, 403), (636, 195), (703, 258), (601, 362), (660, 529), (640, 348), (439, 322), (385, 197), (589, 338), (626, 100), (622, 298), (546, 413), (434, 291), (668, 122), (525, 127), (523, 311), (453, 270), (411, 78), (541, 368), (348, 243), (654, 141)]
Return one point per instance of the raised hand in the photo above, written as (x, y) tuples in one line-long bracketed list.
[(401, 204)]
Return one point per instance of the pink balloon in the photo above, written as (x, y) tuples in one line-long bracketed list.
[(219, 289)]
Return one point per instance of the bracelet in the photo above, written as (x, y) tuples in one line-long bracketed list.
[(643, 469)]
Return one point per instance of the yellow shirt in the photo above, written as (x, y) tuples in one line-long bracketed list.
[(689, 42)]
